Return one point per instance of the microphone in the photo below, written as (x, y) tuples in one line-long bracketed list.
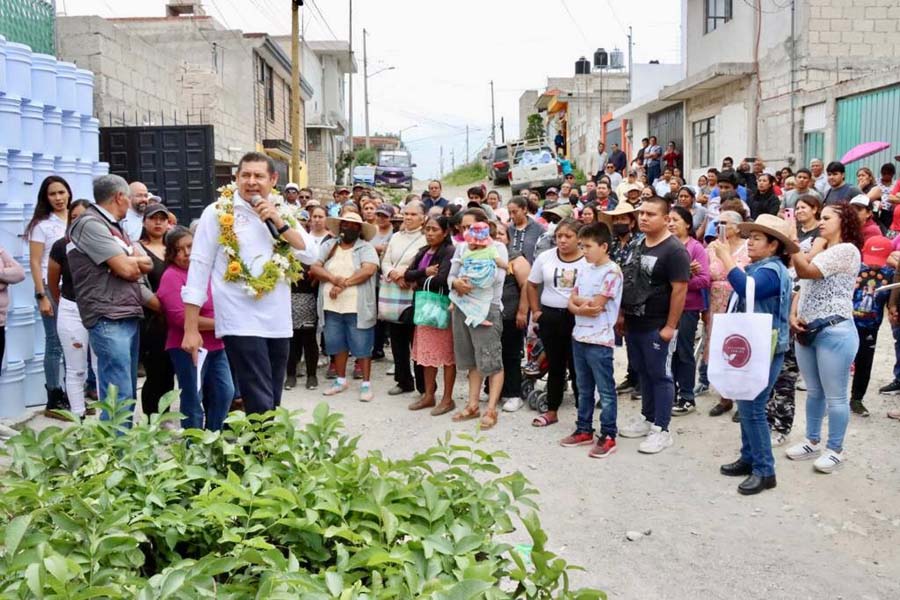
[(256, 199)]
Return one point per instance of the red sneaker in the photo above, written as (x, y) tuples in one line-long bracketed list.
[(603, 448), (577, 439)]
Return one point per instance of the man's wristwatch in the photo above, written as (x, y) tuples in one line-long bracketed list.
[(283, 228), (39, 296)]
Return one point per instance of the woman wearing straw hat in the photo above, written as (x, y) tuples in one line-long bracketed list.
[(769, 247), (346, 304)]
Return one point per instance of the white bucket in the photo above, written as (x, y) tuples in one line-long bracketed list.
[(18, 70), (43, 79), (12, 389), (52, 132), (84, 91), (65, 86), (11, 227), (11, 122), (71, 134), (2, 64), (21, 295), (35, 392), (90, 138), (4, 176), (39, 343), (21, 179), (100, 168), (20, 334), (84, 179), (32, 126), (42, 166)]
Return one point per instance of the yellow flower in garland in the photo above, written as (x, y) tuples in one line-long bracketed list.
[(226, 220), (234, 268)]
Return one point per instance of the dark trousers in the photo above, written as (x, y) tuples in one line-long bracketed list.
[(158, 369), (654, 171), (684, 365), (555, 330), (862, 370), (303, 344), (780, 408), (380, 336), (401, 346), (259, 365), (652, 358), (512, 341)]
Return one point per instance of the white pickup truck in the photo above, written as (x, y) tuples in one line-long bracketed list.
[(534, 166)]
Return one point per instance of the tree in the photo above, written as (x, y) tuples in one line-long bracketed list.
[(535, 127), (365, 156)]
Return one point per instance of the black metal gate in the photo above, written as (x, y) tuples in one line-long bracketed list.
[(176, 162), (668, 126)]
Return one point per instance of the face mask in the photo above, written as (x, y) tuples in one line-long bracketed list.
[(349, 235), (620, 229)]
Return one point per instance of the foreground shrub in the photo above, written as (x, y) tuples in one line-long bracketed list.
[(264, 510)]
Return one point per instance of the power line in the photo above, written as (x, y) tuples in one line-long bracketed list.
[(616, 17), (574, 22), (322, 18)]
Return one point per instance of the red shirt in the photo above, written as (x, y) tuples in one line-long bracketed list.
[(870, 229)]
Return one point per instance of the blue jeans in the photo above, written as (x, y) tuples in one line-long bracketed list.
[(651, 357), (825, 366), (115, 343), (212, 402), (756, 443), (684, 365), (53, 352), (594, 370)]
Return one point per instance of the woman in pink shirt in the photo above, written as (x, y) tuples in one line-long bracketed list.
[(212, 398)]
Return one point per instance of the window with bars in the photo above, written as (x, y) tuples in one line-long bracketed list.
[(704, 136), (716, 14)]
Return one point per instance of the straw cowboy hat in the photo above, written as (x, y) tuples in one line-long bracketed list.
[(774, 226), (334, 225), (622, 208)]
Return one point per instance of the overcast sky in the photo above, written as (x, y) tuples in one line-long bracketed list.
[(445, 53)]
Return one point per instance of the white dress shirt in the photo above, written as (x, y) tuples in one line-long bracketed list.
[(236, 311), (132, 224)]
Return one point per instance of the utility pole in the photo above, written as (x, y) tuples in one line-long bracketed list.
[(467, 143), (452, 159), (630, 67), (350, 92), (366, 84), (493, 123), (502, 132), (295, 88)]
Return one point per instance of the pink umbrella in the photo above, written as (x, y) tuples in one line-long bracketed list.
[(863, 150)]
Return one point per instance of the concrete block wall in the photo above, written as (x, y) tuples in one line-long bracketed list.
[(846, 29)]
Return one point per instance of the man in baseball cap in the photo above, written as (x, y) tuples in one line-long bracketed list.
[(292, 193)]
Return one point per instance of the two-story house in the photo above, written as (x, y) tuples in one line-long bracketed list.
[(786, 82)]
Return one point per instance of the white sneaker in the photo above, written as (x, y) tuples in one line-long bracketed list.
[(803, 451), (778, 439), (512, 404), (828, 462), (636, 428), (801, 384), (656, 442)]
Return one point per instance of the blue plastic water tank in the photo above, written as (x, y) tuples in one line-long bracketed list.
[(32, 126), (52, 131), (43, 79), (18, 70)]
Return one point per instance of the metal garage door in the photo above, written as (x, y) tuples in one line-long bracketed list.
[(668, 126), (870, 117)]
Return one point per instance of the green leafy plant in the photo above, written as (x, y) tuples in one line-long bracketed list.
[(365, 156), (472, 172), (265, 509), (535, 127)]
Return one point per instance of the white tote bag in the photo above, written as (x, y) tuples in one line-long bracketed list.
[(740, 350)]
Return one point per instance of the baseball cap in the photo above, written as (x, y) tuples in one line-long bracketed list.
[(876, 251), (155, 208), (292, 186), (551, 191), (385, 210), (861, 200), (303, 215)]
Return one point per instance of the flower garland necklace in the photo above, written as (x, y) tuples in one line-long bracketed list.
[(283, 266)]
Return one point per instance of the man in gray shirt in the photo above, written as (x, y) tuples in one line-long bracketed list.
[(106, 270), (839, 191)]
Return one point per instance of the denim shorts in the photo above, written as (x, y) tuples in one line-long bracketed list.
[(342, 335)]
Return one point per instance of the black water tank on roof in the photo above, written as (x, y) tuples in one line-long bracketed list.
[(601, 59), (582, 66)]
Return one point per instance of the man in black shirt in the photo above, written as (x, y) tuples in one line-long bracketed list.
[(655, 290)]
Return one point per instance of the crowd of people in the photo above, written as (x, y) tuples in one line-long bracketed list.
[(230, 306)]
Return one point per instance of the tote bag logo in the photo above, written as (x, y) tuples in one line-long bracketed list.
[(736, 350)]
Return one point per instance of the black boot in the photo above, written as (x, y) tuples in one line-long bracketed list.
[(56, 402), (755, 484), (736, 469)]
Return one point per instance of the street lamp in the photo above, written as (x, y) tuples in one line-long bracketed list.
[(400, 133), (366, 78)]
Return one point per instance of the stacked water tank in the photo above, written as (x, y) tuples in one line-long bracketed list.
[(46, 127)]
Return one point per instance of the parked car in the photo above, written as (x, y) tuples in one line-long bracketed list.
[(498, 164), (364, 174), (394, 168), (534, 166)]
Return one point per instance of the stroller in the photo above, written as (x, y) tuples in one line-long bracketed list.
[(535, 369)]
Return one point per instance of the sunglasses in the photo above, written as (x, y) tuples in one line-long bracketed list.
[(305, 197)]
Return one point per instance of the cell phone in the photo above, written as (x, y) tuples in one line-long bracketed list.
[(721, 227)]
